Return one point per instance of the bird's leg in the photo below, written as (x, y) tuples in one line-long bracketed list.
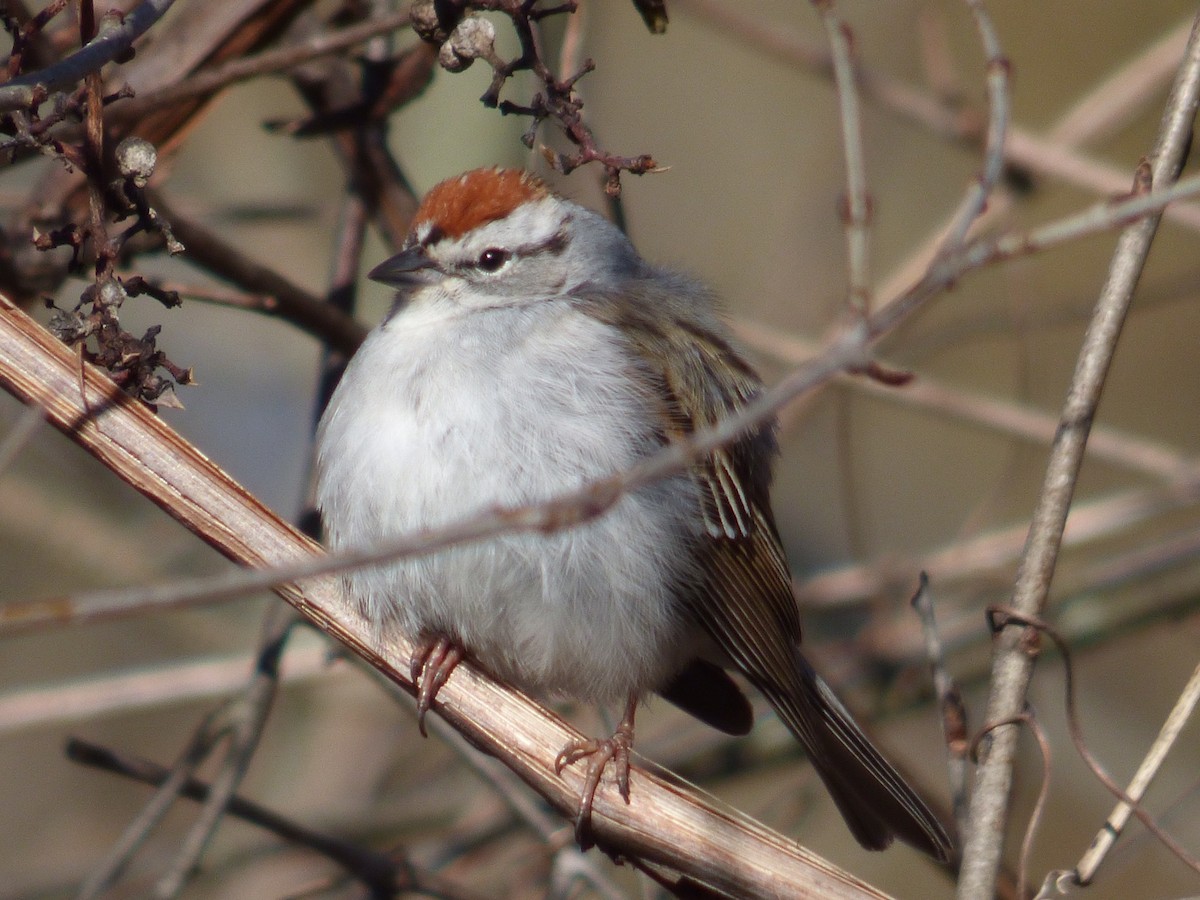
[(432, 662), (600, 751)]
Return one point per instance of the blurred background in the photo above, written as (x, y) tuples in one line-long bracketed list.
[(874, 484)]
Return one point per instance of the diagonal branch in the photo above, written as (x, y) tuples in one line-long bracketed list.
[(664, 823), (1015, 650)]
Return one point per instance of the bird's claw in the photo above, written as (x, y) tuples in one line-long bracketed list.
[(434, 658), (599, 752)]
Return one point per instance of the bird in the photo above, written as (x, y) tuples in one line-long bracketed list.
[(530, 351)]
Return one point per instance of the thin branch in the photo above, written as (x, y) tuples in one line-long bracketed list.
[(292, 303), (1103, 108), (1022, 147), (1000, 617), (857, 210), (1029, 720), (950, 701), (245, 719), (208, 81), (1107, 444), (975, 201), (1013, 661), (113, 865), (1089, 522), (31, 89), (1110, 104), (1185, 705), (265, 304), (145, 688), (384, 875)]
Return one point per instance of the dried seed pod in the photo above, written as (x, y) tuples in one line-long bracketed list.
[(136, 159), (428, 23), (471, 39)]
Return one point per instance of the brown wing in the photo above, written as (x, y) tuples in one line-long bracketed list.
[(699, 378), (745, 601)]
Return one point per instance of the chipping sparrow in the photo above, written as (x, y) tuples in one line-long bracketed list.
[(531, 350)]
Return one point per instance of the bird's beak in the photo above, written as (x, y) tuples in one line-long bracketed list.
[(406, 269)]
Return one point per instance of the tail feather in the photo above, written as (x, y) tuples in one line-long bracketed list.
[(874, 799)]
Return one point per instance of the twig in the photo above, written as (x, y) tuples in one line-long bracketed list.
[(1013, 663), (218, 296), (1022, 147), (383, 874), (292, 303), (950, 701), (1102, 108), (1086, 868), (113, 865), (1163, 552), (857, 210), (361, 146), (463, 38), (973, 204), (31, 89), (1111, 445), (1029, 720), (145, 688), (999, 617), (237, 723), (245, 719), (1111, 103), (1088, 522), (343, 292), (208, 81)]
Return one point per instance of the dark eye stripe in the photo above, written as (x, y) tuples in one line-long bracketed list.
[(493, 259)]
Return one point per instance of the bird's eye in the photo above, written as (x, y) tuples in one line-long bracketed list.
[(493, 259)]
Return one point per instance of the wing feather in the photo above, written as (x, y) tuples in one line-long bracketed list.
[(744, 599)]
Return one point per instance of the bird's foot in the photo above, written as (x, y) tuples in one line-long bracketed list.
[(599, 752), (434, 658)]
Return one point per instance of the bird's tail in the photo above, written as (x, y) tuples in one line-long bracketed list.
[(874, 799)]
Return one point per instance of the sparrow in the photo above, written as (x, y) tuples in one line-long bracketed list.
[(530, 351)]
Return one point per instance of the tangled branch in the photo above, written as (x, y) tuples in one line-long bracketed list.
[(464, 37)]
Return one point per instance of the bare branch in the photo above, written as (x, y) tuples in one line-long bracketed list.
[(1185, 705), (950, 700), (1013, 661), (115, 39), (664, 822), (208, 81), (857, 212)]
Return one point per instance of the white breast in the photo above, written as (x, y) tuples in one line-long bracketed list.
[(438, 418)]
